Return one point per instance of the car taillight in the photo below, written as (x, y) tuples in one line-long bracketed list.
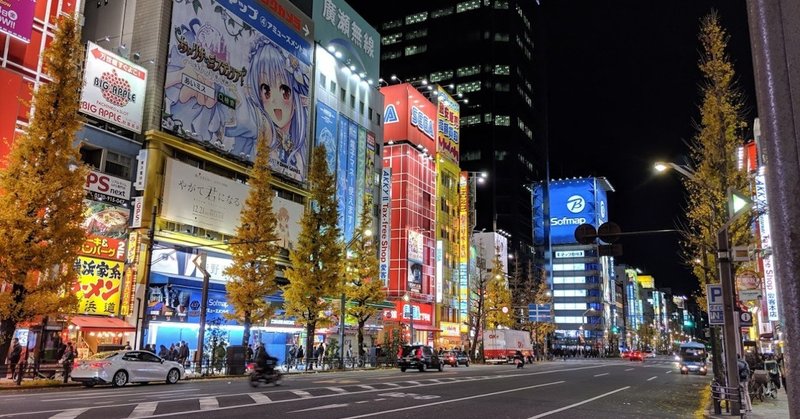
[(99, 365)]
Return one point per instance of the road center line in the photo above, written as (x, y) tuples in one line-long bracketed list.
[(477, 396), (143, 409), (652, 378), (600, 375), (579, 403)]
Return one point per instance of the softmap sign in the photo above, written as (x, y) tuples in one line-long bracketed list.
[(715, 305)]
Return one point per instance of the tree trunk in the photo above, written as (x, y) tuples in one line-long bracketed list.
[(361, 324), (310, 328), (246, 333), (7, 326)]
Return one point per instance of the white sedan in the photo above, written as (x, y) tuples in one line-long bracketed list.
[(122, 367)]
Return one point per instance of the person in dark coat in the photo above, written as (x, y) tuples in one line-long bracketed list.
[(66, 361), (13, 357)]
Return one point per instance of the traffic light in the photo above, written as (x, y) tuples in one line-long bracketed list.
[(615, 329)]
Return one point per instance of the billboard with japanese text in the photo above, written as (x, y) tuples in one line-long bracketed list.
[(238, 75), (448, 125), (98, 285), (340, 27), (113, 89), (408, 115)]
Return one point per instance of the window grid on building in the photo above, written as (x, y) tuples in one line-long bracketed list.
[(392, 38), (440, 75), (469, 87), (416, 18), (468, 5), (468, 71), (416, 49)]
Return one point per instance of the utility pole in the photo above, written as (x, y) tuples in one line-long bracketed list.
[(200, 262)]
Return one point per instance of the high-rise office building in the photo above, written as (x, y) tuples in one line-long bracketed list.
[(482, 52)]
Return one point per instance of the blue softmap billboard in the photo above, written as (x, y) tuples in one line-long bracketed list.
[(572, 202)]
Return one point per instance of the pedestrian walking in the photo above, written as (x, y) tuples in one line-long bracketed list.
[(66, 361), (292, 355), (183, 353), (300, 353), (744, 379)]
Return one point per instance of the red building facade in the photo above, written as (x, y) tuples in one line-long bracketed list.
[(409, 138)]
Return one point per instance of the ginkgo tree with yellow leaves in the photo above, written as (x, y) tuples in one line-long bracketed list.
[(42, 196), (720, 132), (316, 272), (363, 287), (497, 303), (254, 250)]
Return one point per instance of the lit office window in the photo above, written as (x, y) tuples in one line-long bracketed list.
[(468, 5), (569, 293), (502, 120), (440, 75), (416, 18), (569, 306), (392, 38), (416, 49), (468, 71), (502, 69), (417, 34), (447, 11)]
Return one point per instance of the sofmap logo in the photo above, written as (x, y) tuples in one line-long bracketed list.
[(576, 204)]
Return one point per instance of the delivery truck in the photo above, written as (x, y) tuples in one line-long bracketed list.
[(500, 345)]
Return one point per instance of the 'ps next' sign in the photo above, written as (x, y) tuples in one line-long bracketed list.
[(574, 202)]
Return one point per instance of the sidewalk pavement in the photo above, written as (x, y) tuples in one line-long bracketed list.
[(768, 409)]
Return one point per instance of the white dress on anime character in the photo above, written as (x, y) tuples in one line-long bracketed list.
[(188, 111), (276, 109)]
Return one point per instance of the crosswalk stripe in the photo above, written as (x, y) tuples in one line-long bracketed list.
[(260, 398), (143, 409), (391, 384), (416, 383), (301, 393), (69, 414), (208, 403), (337, 389), (366, 387)]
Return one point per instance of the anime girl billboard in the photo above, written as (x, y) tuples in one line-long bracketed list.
[(236, 75)]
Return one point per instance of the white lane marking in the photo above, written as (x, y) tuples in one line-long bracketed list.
[(327, 406), (69, 414), (477, 396), (379, 400), (208, 403), (579, 403), (554, 371), (629, 369), (366, 387), (337, 389), (652, 378), (600, 375), (416, 383), (362, 401), (669, 372), (260, 398), (116, 395), (301, 393), (143, 409)]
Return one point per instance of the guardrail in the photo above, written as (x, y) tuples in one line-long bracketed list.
[(724, 395)]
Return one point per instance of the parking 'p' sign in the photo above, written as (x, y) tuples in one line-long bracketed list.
[(715, 305)]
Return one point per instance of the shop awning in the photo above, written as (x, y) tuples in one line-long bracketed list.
[(99, 323), (426, 328)]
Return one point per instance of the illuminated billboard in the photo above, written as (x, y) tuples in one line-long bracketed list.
[(236, 75), (572, 202), (408, 115), (448, 124), (340, 27)]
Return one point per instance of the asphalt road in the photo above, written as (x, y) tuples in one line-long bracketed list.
[(559, 389)]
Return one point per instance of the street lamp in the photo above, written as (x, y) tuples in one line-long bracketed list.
[(684, 170), (343, 303), (407, 299)]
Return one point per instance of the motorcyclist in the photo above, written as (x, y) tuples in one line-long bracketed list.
[(265, 362)]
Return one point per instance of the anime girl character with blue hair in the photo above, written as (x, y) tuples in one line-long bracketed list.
[(276, 109)]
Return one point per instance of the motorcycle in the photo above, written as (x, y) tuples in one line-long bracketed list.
[(259, 376)]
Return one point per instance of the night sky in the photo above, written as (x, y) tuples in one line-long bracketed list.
[(622, 87)]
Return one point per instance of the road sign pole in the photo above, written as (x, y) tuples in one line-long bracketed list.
[(730, 334)]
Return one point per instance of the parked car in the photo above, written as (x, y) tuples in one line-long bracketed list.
[(636, 356), (419, 357), (455, 358), (121, 367), (649, 354)]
